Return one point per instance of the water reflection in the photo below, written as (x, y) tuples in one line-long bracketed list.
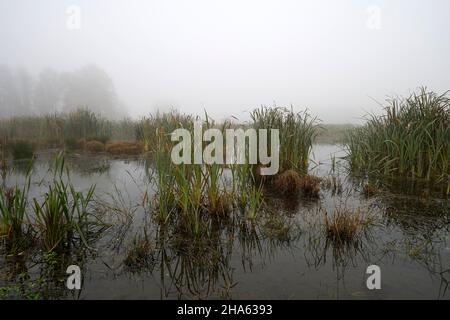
[(233, 258)]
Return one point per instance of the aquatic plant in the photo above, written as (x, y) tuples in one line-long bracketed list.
[(334, 183), (297, 133), (85, 124), (124, 148), (13, 216), (411, 139), (139, 255), (255, 202), (344, 224), (288, 183), (369, 190), (94, 146), (21, 149), (163, 178), (60, 129), (310, 186), (64, 217)]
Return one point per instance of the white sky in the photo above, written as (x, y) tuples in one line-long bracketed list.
[(231, 56)]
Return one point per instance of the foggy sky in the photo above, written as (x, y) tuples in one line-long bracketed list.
[(230, 56)]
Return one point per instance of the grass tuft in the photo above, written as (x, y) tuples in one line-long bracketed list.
[(410, 140)]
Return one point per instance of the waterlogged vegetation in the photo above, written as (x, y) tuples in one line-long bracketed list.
[(106, 196), (411, 139)]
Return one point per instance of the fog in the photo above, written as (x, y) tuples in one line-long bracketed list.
[(337, 58)]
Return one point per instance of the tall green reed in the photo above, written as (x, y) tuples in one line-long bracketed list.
[(13, 216), (297, 134), (411, 139), (64, 217)]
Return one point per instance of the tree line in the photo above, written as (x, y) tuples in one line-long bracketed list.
[(51, 91)]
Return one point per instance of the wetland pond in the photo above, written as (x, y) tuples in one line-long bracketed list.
[(408, 238)]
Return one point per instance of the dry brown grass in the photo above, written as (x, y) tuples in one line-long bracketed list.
[(345, 224), (94, 146), (310, 186), (369, 190), (124, 148), (288, 183)]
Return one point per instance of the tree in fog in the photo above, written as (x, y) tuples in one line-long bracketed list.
[(6, 89), (24, 84), (48, 92), (16, 92), (90, 87)]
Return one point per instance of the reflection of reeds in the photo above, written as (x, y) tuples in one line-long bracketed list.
[(140, 254), (333, 183), (198, 268), (277, 227)]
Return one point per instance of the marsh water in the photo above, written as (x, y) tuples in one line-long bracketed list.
[(408, 239)]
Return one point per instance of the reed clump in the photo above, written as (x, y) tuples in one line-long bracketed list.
[(21, 149), (297, 130), (369, 190), (140, 254), (310, 186), (288, 183), (59, 129), (410, 140), (124, 148), (94, 146), (13, 217), (65, 217), (344, 225)]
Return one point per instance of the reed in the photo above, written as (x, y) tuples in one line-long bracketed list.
[(186, 193), (288, 183), (13, 216), (298, 131), (21, 150), (64, 217), (411, 139), (59, 129), (344, 225), (140, 254), (255, 202)]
